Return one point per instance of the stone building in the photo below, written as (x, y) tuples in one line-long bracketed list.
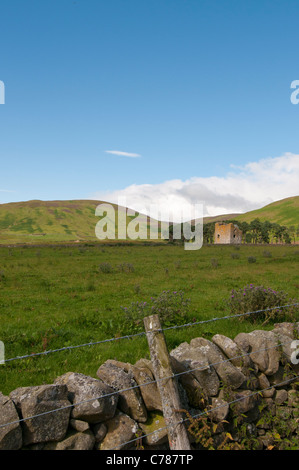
[(227, 233)]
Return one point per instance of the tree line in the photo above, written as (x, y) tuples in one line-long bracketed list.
[(257, 231)]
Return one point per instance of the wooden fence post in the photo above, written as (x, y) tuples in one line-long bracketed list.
[(177, 433)]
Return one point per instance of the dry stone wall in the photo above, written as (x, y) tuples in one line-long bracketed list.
[(241, 381)]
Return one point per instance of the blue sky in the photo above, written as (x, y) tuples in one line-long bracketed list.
[(198, 91)]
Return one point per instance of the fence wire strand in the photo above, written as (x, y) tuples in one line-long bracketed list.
[(205, 412), (179, 374), (117, 392), (143, 333), (43, 353)]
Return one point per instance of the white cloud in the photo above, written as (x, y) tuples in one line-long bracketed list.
[(243, 188), (123, 154)]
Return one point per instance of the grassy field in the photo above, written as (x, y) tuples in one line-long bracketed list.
[(57, 296)]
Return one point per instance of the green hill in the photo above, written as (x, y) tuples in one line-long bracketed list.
[(70, 221), (54, 221), (283, 212), (220, 218), (33, 221)]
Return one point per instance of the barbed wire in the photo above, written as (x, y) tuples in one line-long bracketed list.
[(65, 348), (117, 392), (227, 317), (143, 333)]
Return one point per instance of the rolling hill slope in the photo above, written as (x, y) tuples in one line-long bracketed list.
[(69, 221), (52, 221), (47, 220), (283, 212)]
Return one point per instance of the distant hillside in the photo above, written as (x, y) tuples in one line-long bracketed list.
[(220, 218), (283, 212), (47, 221), (54, 221), (70, 221)]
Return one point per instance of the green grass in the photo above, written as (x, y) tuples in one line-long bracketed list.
[(284, 212), (56, 296), (35, 221), (50, 221)]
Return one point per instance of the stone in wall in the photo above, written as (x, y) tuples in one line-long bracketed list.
[(35, 405), (79, 425), (10, 435), (219, 409), (263, 348), (227, 372), (287, 329), (212, 389), (202, 381), (144, 377), (99, 400), (154, 429), (99, 430), (121, 429), (83, 440), (232, 351), (130, 399)]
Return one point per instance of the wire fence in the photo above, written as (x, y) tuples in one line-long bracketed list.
[(155, 381), (143, 333), (117, 392), (206, 412)]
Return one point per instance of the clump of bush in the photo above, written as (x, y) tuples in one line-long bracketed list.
[(171, 306), (178, 264), (105, 268), (251, 259), (91, 287), (126, 267), (137, 288), (267, 254), (265, 302), (214, 262)]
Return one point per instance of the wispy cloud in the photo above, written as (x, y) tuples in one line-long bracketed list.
[(6, 191), (242, 189), (123, 154)]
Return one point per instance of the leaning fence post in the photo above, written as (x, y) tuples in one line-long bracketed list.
[(177, 433)]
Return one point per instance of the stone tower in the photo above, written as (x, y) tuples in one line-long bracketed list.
[(227, 233)]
